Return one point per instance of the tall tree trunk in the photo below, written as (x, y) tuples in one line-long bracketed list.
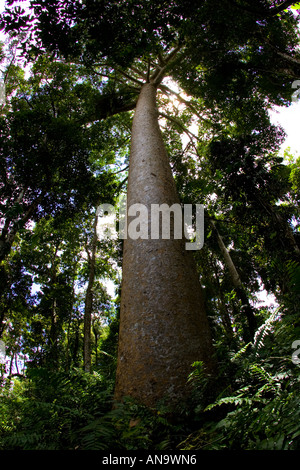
[(53, 355), (89, 297), (163, 324), (76, 344), (54, 328)]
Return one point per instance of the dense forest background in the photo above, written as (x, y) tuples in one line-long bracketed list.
[(65, 129)]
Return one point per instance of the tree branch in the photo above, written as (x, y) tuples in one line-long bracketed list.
[(266, 13), (159, 73), (129, 77), (282, 7), (139, 72), (121, 184), (187, 103), (179, 124), (110, 105), (288, 58), (120, 171)]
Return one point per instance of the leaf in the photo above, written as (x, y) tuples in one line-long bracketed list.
[(134, 422)]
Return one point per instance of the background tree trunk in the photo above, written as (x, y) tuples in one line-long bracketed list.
[(89, 297), (238, 286), (163, 324)]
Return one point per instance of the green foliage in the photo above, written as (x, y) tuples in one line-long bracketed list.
[(258, 410), (130, 426), (293, 271), (74, 410), (46, 410)]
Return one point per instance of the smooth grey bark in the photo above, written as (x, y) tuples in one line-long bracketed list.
[(163, 324), (238, 285), (236, 280)]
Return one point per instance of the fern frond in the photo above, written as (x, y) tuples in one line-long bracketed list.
[(241, 352), (264, 330), (260, 373), (293, 271), (98, 434)]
